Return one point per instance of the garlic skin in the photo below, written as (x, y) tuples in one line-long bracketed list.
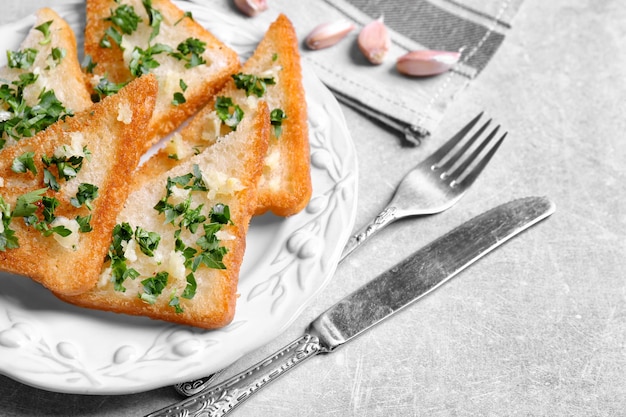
[(328, 34), (374, 41), (251, 7), (425, 63)]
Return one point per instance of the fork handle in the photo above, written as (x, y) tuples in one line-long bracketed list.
[(383, 219)]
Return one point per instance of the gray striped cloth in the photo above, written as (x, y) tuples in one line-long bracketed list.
[(411, 106)]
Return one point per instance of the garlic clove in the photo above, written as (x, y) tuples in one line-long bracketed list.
[(374, 41), (251, 7), (426, 62), (328, 34)]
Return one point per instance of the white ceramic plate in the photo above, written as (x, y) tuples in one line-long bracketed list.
[(55, 346)]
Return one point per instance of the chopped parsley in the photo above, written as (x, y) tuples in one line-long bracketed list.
[(142, 61), (67, 168), (106, 88), (24, 163), (189, 292), (124, 20), (153, 287), (252, 84), (190, 51), (179, 98), (26, 121), (122, 234), (188, 217), (57, 55), (211, 253), (185, 15), (27, 205), (85, 195), (148, 241), (8, 240), (84, 223), (228, 112), (190, 289), (276, 119), (220, 214), (154, 17), (44, 28), (23, 59), (48, 205)]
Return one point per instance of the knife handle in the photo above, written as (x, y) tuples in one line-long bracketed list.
[(223, 398), (383, 219)]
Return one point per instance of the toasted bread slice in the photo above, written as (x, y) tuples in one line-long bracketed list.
[(48, 183), (285, 186), (49, 53), (156, 282), (196, 74)]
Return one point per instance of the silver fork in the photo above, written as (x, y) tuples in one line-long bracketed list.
[(433, 186), (436, 183)]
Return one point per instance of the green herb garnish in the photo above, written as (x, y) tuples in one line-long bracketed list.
[(106, 88), (148, 241), (229, 112), (190, 51), (8, 240), (57, 55), (24, 163), (124, 21), (44, 28), (155, 18), (21, 59), (85, 195), (153, 287), (252, 84), (142, 61), (276, 119)]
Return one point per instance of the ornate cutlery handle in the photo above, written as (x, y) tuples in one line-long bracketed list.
[(385, 218), (223, 398)]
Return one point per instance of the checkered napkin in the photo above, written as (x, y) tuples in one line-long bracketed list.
[(411, 106)]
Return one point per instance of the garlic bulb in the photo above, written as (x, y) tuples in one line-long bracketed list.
[(251, 7), (426, 62), (374, 41), (328, 34)]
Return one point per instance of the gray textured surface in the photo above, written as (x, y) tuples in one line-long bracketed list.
[(536, 328)]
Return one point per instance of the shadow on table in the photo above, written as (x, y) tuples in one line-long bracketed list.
[(19, 400)]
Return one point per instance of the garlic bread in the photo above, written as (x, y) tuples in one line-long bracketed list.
[(61, 190), (128, 38), (179, 241)]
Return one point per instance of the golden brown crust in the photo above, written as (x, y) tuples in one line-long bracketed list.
[(239, 155), (115, 151), (294, 190), (203, 81), (286, 188)]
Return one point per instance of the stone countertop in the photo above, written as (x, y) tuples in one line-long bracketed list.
[(536, 328)]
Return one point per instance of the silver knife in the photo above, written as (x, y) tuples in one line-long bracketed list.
[(395, 289)]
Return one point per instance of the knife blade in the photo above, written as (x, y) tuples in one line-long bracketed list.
[(390, 292)]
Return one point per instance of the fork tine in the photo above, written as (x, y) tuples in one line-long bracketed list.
[(458, 171), (463, 151), (473, 174), (445, 149)]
